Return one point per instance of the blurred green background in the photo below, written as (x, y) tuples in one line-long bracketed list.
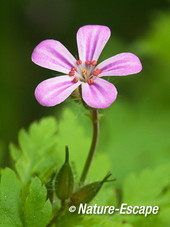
[(136, 128)]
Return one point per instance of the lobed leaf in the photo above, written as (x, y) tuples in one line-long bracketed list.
[(10, 200), (35, 154), (37, 210)]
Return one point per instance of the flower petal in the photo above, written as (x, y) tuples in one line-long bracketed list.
[(120, 65), (51, 54), (91, 40), (55, 90), (99, 95)]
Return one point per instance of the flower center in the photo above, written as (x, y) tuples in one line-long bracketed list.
[(85, 72)]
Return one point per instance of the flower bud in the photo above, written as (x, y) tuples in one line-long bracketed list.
[(64, 180), (86, 193)]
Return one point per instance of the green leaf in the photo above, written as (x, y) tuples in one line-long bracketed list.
[(150, 188), (35, 154), (101, 221), (160, 220), (147, 187), (75, 220), (37, 210), (10, 200)]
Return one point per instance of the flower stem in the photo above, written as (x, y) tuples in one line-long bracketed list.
[(94, 114)]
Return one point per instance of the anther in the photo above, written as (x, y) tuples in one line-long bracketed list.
[(75, 80), (78, 62), (95, 73), (99, 71), (90, 81), (71, 73), (94, 62), (73, 69), (88, 62)]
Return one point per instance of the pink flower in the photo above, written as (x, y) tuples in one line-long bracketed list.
[(96, 92)]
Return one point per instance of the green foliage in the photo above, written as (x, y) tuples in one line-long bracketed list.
[(148, 186), (42, 148), (33, 211), (10, 200), (74, 220), (134, 139), (132, 148), (37, 210), (156, 191), (41, 151), (71, 132), (35, 156)]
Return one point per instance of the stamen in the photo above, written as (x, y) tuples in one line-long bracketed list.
[(78, 62), (71, 73), (88, 62), (75, 80), (94, 62), (73, 69), (90, 81), (96, 72)]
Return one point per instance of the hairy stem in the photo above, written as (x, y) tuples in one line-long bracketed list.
[(94, 114)]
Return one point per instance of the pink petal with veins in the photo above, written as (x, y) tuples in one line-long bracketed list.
[(101, 94), (51, 54), (120, 65), (55, 90), (91, 40)]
